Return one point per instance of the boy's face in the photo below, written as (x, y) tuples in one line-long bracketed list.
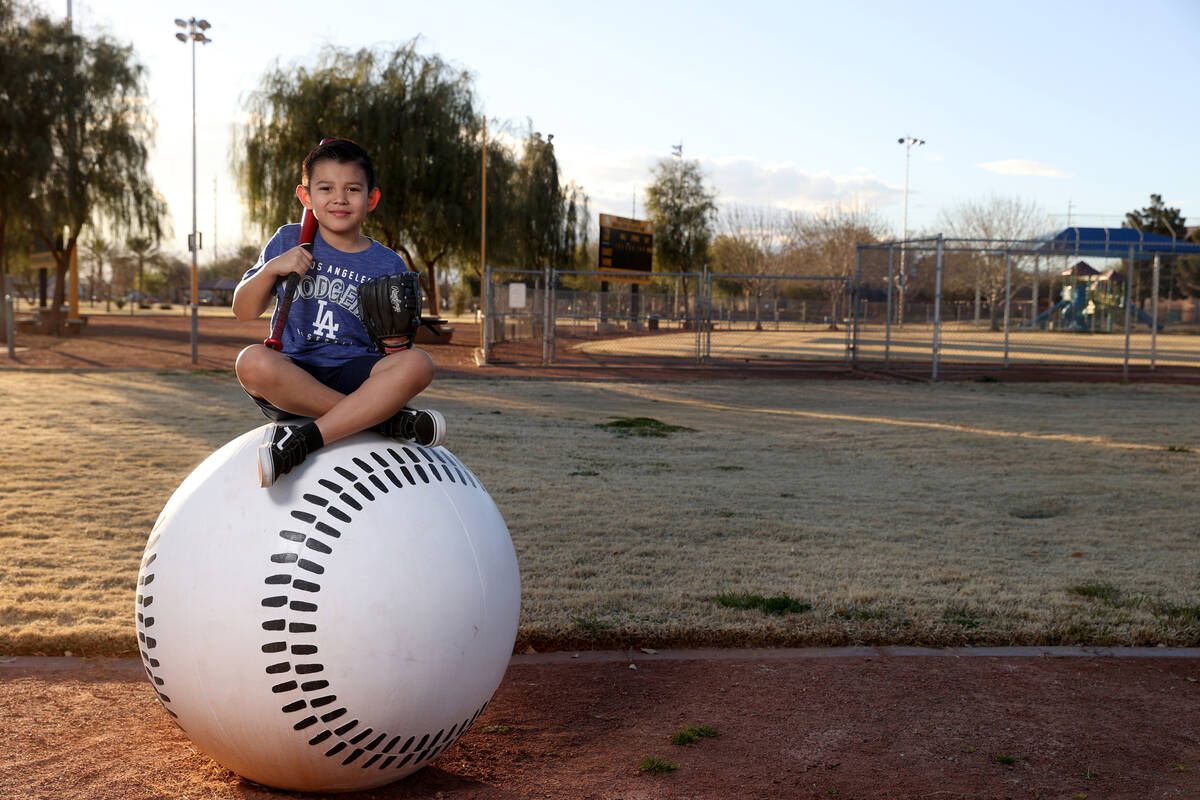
[(338, 195)]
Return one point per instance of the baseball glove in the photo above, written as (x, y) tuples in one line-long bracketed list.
[(390, 307)]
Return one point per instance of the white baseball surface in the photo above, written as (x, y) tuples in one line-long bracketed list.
[(338, 630)]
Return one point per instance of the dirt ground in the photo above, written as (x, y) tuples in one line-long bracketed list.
[(163, 341), (854, 723), (858, 723)]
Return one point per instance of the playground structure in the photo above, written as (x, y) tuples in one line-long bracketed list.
[(1090, 302)]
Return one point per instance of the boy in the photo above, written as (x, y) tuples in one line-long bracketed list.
[(329, 369)]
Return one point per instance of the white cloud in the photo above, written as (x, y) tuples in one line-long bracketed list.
[(613, 179), (1022, 166), (745, 180)]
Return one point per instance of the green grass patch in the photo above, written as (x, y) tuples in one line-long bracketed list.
[(654, 765), (642, 426), (962, 616), (1113, 597), (693, 734), (1104, 592), (590, 624), (1177, 613), (860, 613), (496, 729), (777, 605)]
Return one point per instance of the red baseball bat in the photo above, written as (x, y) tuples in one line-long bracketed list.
[(308, 232)]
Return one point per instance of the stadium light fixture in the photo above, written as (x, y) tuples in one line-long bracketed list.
[(195, 33), (908, 142)]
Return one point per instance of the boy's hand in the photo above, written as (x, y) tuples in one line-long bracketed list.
[(297, 260)]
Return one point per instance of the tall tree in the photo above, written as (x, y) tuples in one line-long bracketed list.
[(998, 219), (824, 243), (97, 251), (751, 244), (683, 211), (25, 117), (414, 113), (97, 137), (1178, 276), (143, 249), (551, 217)]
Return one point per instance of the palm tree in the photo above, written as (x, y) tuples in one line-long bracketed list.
[(143, 248)]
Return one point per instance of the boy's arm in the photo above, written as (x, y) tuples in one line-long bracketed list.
[(253, 294)]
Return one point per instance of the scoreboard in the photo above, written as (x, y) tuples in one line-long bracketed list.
[(626, 246)]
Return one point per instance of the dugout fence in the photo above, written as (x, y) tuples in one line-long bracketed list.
[(920, 306), (569, 317)]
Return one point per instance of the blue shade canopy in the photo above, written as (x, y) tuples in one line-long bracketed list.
[(1114, 243)]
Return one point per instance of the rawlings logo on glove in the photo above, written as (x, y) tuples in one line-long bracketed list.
[(390, 308)]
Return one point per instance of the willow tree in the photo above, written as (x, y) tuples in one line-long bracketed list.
[(414, 113), (683, 211), (24, 129), (96, 134), (551, 218)]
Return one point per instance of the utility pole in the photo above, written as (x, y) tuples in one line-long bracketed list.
[(195, 33), (908, 142)]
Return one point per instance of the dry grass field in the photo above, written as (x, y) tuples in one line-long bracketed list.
[(872, 512)]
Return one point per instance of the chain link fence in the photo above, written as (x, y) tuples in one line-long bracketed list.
[(565, 317), (1017, 303), (919, 305)]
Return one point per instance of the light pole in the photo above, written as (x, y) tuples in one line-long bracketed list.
[(908, 142), (195, 29)]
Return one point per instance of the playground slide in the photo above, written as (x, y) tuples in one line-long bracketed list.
[(1054, 309), (1146, 319)]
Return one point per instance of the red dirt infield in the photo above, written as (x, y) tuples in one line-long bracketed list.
[(163, 341), (805, 724)]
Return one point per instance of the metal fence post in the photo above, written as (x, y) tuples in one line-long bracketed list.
[(851, 310), (484, 334), (1154, 315), (1007, 301), (1033, 313), (546, 315), (937, 305), (1128, 314), (553, 311), (853, 354), (9, 322), (706, 322), (887, 322)]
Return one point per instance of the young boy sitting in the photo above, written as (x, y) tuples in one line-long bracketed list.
[(329, 368)]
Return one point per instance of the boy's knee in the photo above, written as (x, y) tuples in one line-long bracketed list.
[(419, 367), (414, 366), (253, 365)]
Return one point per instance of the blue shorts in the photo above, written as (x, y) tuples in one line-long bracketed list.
[(345, 378)]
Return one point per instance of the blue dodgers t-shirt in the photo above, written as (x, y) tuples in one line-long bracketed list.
[(323, 326)]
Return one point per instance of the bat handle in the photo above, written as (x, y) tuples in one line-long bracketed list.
[(275, 340), (308, 233)]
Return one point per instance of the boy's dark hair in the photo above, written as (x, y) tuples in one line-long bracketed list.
[(342, 151)]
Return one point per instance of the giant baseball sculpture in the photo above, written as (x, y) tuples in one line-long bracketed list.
[(337, 631)]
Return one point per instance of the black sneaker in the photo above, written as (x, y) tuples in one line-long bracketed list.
[(282, 450), (424, 426)]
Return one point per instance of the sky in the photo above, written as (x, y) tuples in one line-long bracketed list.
[(1083, 109)]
